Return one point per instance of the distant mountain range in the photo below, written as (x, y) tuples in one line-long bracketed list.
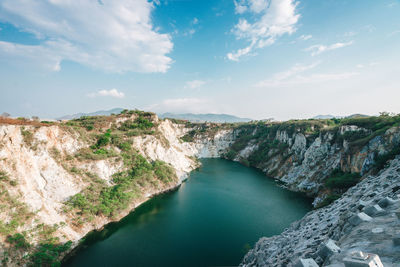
[(209, 117), (323, 117), (96, 113), (219, 118)]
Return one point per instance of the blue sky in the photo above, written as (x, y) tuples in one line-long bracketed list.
[(252, 58)]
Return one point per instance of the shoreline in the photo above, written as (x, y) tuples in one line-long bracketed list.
[(78, 245)]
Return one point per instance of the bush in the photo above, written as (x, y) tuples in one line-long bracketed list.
[(230, 155), (163, 171), (139, 123), (48, 254), (4, 176), (18, 241), (342, 180), (125, 146), (381, 160), (104, 139)]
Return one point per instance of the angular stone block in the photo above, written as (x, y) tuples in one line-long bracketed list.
[(364, 203), (328, 249), (359, 218), (306, 263), (373, 211), (362, 259), (387, 201), (377, 230)]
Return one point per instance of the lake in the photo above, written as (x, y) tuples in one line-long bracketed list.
[(211, 220)]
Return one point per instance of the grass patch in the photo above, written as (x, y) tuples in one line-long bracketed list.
[(27, 136)]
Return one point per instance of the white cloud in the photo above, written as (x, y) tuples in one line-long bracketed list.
[(239, 7), (393, 33), (273, 19), (294, 77), (115, 36), (371, 64), (349, 34), (194, 84), (112, 93), (183, 105), (305, 37), (318, 49), (195, 21), (190, 32)]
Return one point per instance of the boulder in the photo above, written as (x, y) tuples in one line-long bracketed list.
[(373, 211), (387, 201), (359, 218), (361, 259), (328, 248), (363, 203)]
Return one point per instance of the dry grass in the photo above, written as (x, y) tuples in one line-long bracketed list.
[(11, 121)]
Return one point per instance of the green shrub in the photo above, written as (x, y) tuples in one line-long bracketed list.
[(48, 254), (230, 154), (125, 146), (342, 180), (381, 160), (109, 200), (187, 138), (4, 176), (104, 139), (163, 171), (139, 123), (18, 241)]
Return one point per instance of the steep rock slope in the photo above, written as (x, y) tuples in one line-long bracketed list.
[(58, 180), (304, 155), (305, 238)]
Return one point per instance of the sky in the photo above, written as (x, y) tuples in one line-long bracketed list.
[(282, 59)]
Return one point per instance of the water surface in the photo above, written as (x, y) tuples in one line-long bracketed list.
[(211, 220)]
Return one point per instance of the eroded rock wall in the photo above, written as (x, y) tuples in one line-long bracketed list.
[(305, 238), (304, 162)]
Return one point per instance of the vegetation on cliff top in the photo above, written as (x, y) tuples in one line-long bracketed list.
[(137, 175)]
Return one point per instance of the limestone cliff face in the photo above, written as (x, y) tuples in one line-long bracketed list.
[(40, 164), (303, 162)]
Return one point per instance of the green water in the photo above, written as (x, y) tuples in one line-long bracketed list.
[(211, 220)]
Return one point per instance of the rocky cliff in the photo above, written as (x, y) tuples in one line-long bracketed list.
[(60, 181), (366, 218), (303, 155)]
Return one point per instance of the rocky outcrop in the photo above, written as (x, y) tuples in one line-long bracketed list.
[(303, 161), (40, 170), (41, 163), (378, 232)]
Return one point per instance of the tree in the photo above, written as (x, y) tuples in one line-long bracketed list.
[(5, 115)]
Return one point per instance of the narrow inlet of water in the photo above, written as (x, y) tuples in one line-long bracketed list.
[(211, 220)]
